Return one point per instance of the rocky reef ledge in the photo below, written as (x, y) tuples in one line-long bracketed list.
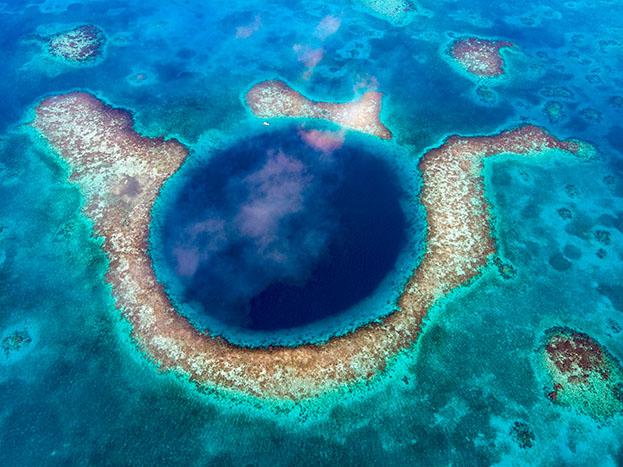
[(120, 174)]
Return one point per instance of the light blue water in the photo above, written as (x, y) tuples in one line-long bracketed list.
[(81, 393)]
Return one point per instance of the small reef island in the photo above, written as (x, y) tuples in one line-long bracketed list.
[(480, 57), (79, 45), (276, 99), (582, 374), (396, 12), (120, 174)]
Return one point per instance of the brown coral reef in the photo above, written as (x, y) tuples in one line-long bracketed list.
[(120, 174), (583, 374), (276, 99)]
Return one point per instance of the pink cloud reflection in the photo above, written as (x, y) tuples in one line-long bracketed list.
[(245, 31), (368, 83), (323, 141), (187, 260), (276, 191), (309, 57), (191, 252), (327, 27)]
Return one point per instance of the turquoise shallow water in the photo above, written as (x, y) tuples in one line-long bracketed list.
[(79, 392)]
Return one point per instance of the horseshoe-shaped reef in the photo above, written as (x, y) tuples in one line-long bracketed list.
[(120, 174)]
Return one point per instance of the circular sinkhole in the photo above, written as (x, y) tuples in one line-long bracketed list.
[(288, 237)]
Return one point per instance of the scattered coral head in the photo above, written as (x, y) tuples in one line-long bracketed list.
[(15, 342), (480, 57), (81, 44), (583, 374)]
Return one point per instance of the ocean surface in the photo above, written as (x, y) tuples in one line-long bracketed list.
[(268, 236), (78, 391)]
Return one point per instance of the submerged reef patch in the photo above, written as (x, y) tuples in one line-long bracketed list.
[(522, 434), (582, 373), (480, 57), (505, 268), (81, 44), (554, 110), (397, 12), (15, 341), (270, 99), (120, 174)]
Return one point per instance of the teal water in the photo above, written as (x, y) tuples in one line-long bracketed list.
[(80, 393)]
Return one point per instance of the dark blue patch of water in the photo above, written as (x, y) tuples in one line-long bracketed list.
[(272, 234)]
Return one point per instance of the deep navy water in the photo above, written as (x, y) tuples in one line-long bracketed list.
[(271, 234), (80, 392)]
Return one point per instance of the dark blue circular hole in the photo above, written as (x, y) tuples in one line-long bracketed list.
[(272, 234)]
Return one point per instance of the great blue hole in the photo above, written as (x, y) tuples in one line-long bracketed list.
[(279, 236)]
